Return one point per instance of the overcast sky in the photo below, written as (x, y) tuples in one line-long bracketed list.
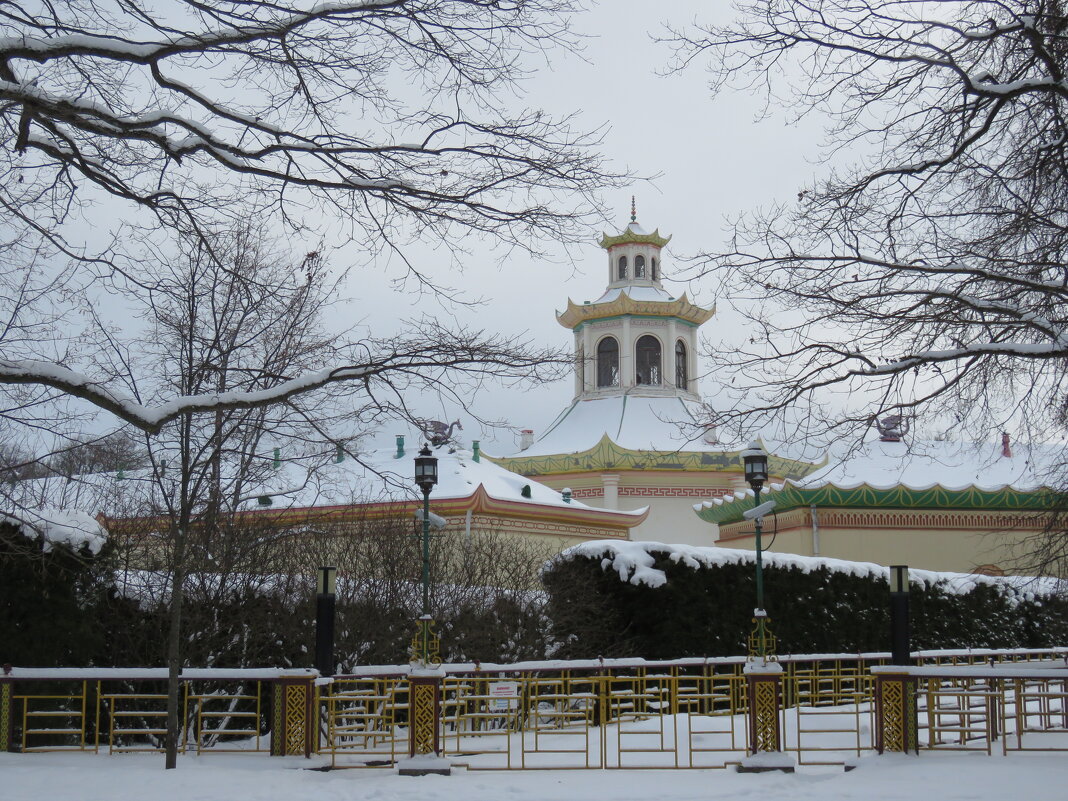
[(713, 159)]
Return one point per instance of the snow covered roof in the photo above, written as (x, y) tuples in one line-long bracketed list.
[(633, 432), (376, 477), (632, 421), (637, 293), (380, 476), (951, 465), (912, 475)]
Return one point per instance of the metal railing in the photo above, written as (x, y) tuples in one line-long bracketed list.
[(126, 710), (688, 713)]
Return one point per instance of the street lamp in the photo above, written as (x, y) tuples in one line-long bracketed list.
[(756, 473), (426, 476), (762, 670)]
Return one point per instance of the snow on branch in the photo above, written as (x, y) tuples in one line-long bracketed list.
[(391, 363)]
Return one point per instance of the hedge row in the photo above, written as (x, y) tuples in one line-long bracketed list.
[(602, 602), (65, 608)]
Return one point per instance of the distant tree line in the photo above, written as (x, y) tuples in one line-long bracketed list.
[(109, 453)]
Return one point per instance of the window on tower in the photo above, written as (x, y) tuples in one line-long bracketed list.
[(681, 373), (608, 362), (656, 271), (622, 267), (647, 361), (639, 266)]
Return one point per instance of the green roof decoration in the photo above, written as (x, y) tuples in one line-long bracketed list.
[(790, 496)]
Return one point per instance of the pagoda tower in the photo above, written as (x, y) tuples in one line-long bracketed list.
[(632, 439), (636, 339)]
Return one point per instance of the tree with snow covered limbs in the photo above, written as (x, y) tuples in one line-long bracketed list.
[(123, 124)]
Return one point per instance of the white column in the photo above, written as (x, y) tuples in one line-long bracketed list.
[(580, 365), (610, 482), (591, 358), (669, 356)]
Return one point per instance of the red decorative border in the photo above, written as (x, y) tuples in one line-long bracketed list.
[(657, 492)]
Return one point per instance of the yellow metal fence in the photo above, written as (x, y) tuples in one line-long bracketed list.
[(680, 714), (131, 715)]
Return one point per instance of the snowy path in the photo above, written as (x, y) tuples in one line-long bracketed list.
[(140, 777)]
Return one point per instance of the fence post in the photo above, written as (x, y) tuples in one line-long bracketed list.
[(424, 724), (293, 720), (7, 712), (897, 726), (763, 684)]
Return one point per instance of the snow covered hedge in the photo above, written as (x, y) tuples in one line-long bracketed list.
[(52, 588), (658, 601)]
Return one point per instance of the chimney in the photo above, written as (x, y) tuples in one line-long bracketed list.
[(1006, 450), (400, 447), (526, 438), (476, 452)]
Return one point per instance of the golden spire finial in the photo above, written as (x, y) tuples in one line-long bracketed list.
[(633, 211)]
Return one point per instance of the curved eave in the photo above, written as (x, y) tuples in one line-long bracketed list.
[(789, 496), (607, 455), (478, 502), (681, 307), (486, 503), (629, 237)]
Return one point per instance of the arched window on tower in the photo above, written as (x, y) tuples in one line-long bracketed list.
[(647, 361), (682, 377), (656, 270), (608, 362), (639, 266), (622, 267)]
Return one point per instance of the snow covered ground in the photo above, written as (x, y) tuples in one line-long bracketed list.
[(245, 777)]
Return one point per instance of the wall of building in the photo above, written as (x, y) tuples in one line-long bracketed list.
[(931, 539), (670, 496)]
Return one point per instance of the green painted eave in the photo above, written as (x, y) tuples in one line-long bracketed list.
[(865, 496), (607, 455)]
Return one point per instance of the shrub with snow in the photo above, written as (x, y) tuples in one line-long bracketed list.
[(658, 601)]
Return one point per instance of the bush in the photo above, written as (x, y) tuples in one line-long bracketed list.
[(662, 602), (53, 601)]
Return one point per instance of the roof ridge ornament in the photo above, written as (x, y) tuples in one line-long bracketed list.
[(892, 427), (633, 210)]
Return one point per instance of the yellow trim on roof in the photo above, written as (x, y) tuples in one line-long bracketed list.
[(607, 455), (629, 237), (681, 307)]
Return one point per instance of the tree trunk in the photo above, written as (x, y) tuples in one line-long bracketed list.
[(174, 650)]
